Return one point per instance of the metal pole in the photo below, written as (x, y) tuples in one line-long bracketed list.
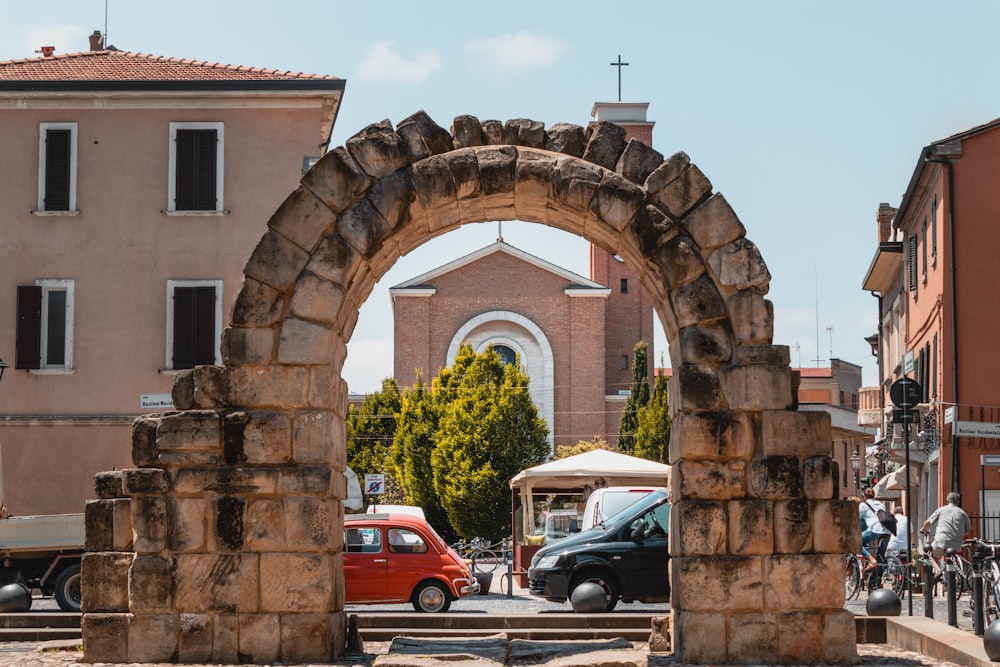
[(510, 569), (978, 620), (928, 590), (909, 516), (949, 574)]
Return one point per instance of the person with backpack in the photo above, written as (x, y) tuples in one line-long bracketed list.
[(873, 531), (951, 526)]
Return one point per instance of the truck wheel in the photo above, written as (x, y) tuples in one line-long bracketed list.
[(67, 588), (606, 581)]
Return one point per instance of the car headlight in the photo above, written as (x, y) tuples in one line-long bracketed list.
[(547, 562)]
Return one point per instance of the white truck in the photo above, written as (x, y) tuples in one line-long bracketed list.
[(43, 552)]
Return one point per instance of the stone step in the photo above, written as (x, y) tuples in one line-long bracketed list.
[(503, 622), (384, 634), (40, 620), (37, 634)]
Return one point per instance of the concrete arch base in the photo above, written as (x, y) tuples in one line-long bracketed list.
[(224, 543)]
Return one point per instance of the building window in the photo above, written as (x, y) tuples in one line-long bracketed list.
[(507, 356), (624, 362), (194, 323), (45, 325), (57, 167), (624, 285), (912, 259), (934, 208), (934, 371), (923, 249), (196, 167)]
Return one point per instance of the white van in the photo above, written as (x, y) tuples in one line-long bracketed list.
[(602, 504)]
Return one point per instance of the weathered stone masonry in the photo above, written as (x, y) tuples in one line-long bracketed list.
[(223, 544)]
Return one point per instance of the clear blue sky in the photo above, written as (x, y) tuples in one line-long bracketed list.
[(806, 115)]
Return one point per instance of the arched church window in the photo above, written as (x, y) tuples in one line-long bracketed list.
[(507, 355)]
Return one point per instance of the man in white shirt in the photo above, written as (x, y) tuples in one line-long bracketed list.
[(900, 540)]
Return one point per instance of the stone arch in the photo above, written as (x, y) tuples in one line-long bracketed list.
[(527, 339), (238, 490)]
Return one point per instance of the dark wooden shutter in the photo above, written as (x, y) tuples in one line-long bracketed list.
[(57, 169), (912, 259), (28, 344), (194, 326), (196, 170)]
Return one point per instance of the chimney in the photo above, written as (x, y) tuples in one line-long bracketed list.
[(46, 51), (885, 215), (96, 41)]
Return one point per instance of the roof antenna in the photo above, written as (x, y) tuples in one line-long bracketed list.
[(499, 231), (106, 42)]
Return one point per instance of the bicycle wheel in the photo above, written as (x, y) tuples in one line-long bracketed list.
[(894, 576), (485, 560), (852, 576), (504, 583)]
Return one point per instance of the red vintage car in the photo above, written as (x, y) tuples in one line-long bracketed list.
[(399, 558)]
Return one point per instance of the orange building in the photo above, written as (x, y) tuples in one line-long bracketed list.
[(132, 191), (935, 274)]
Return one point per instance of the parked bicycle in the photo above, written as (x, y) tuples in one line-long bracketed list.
[(479, 553)]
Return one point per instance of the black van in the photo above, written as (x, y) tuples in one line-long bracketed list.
[(627, 556)]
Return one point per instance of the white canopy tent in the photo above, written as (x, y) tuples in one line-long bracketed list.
[(581, 474)]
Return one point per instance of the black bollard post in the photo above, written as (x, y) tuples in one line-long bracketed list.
[(928, 590), (949, 574), (510, 570), (978, 621)]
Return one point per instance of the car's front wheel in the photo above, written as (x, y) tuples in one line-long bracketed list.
[(612, 591), (431, 597)]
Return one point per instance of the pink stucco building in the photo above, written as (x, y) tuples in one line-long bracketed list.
[(133, 190)]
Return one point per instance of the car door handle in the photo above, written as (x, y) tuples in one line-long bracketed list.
[(380, 560)]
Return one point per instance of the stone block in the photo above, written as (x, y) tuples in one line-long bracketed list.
[(699, 638), (795, 433), (707, 344), (378, 150), (336, 179), (525, 132), (753, 638), (804, 582), (304, 342), (432, 182), (777, 355), (227, 583), (638, 161), (712, 583), (698, 528), (574, 183), (122, 531), (793, 527), (605, 144), (819, 478), (256, 305), (617, 201), (260, 638), (711, 435), (227, 528), (149, 524), (711, 480), (335, 260), (659, 634), (652, 229), (698, 388), (296, 582), (190, 431), (683, 193), (751, 527), (757, 387), (566, 138), (309, 523), (714, 223), (267, 438), (281, 387), (302, 218), (150, 584), (226, 639), (836, 527), (678, 260), (109, 485), (195, 638), (211, 387), (265, 525), (740, 266), (145, 481), (276, 261), (697, 302), (313, 436), (234, 480), (104, 581), (306, 638), (152, 638), (182, 393), (667, 172), (327, 390), (105, 637), (497, 168), (246, 346), (187, 526), (423, 137), (838, 642), (775, 477), (304, 480), (98, 518), (800, 638), (752, 316), (363, 228), (468, 131), (391, 196), (143, 454)]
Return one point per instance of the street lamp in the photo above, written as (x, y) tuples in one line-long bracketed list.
[(855, 466)]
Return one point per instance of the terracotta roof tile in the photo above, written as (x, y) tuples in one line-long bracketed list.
[(114, 65)]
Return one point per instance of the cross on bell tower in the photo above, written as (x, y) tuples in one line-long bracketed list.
[(619, 65)]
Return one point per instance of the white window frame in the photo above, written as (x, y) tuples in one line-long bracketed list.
[(48, 286), (173, 285), (42, 129), (220, 153)]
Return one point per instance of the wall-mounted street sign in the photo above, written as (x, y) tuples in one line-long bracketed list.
[(976, 429), (905, 417), (905, 393), (374, 484), (908, 361), (990, 459), (156, 402), (950, 414)]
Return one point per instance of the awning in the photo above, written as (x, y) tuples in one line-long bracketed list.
[(354, 499)]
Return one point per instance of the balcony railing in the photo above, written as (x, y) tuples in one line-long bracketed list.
[(869, 409)]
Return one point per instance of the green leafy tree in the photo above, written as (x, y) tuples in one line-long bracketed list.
[(414, 441), (652, 436), (563, 451), (638, 397), (489, 430), (370, 432)]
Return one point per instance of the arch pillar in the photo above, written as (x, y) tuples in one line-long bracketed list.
[(224, 543)]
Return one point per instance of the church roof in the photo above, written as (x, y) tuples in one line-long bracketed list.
[(423, 281)]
